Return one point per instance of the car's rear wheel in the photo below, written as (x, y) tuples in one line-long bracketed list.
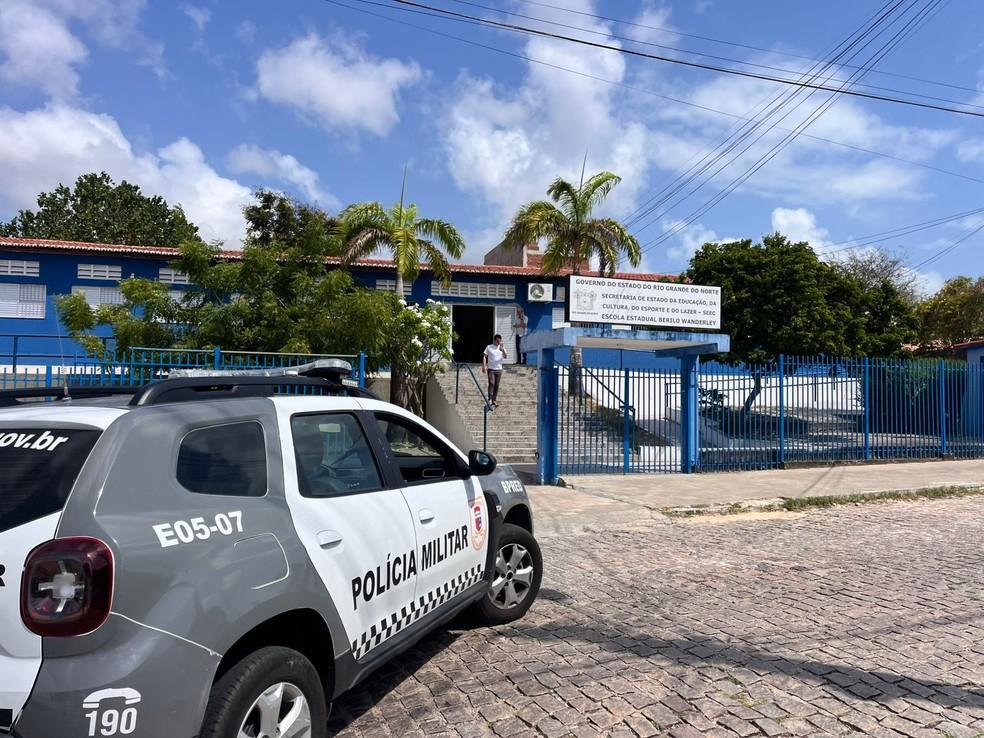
[(518, 572), (272, 693)]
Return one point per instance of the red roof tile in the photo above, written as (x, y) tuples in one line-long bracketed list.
[(31, 244)]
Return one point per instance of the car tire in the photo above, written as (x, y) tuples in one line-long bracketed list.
[(270, 688), (516, 582)]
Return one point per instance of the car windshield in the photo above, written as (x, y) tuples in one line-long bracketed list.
[(39, 469)]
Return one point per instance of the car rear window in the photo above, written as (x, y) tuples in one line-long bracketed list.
[(224, 460), (37, 470)]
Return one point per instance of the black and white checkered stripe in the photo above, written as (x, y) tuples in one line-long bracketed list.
[(412, 612)]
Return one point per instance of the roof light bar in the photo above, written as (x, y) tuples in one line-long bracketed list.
[(335, 369)]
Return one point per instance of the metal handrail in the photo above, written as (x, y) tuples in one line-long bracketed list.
[(609, 390), (488, 408), (618, 398)]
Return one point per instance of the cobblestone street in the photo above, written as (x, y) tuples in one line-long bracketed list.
[(861, 620)]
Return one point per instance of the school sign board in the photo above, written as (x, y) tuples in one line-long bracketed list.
[(638, 303)]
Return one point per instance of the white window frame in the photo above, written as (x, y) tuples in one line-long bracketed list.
[(99, 296), (23, 301), (100, 271), (19, 268), (389, 285), (482, 290), (167, 275)]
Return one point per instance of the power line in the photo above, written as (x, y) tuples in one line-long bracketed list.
[(901, 231), (872, 26), (516, 28), (905, 230), (951, 247), (908, 28), (625, 86), (698, 53), (739, 45)]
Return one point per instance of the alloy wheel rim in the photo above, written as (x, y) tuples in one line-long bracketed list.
[(281, 711), (513, 576)]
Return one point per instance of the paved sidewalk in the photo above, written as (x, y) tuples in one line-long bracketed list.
[(657, 491)]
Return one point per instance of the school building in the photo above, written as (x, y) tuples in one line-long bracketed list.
[(483, 298)]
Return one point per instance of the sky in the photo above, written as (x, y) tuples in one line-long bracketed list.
[(203, 102)]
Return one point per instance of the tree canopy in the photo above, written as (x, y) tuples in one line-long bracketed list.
[(573, 236), (278, 295), (96, 209), (953, 315), (410, 239), (778, 297)]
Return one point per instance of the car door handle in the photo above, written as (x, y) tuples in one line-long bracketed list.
[(426, 516), (329, 538)]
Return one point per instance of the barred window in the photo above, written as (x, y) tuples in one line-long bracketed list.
[(97, 296), (17, 268), (389, 285), (475, 289), (100, 271), (171, 276), (22, 300)]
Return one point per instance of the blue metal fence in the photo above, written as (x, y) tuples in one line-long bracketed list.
[(142, 365), (797, 410)]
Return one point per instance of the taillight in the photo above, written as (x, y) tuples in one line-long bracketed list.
[(67, 588)]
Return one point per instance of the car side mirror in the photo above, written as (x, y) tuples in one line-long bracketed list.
[(481, 463)]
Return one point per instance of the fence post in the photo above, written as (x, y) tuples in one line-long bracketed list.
[(547, 417), (626, 445), (217, 358), (457, 381), (47, 376), (866, 380), (782, 411), (942, 407), (362, 368), (689, 412)]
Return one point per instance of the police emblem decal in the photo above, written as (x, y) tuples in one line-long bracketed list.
[(478, 524)]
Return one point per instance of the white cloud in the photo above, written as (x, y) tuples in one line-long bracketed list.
[(971, 150), (199, 15), (656, 19), (687, 242), (506, 146), (336, 83), (799, 224), (270, 163), (41, 148), (37, 50), (40, 50)]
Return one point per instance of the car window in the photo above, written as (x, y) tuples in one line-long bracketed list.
[(224, 460), (421, 458), (40, 467), (333, 456)]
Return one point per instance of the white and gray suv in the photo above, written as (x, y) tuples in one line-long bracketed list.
[(221, 556)]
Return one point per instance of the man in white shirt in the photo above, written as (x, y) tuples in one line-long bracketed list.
[(495, 354)]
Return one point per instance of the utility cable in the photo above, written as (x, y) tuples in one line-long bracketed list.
[(517, 28), (736, 44)]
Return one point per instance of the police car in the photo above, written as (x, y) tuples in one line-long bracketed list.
[(221, 556)]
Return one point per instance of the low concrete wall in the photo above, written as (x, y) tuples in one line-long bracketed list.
[(443, 415)]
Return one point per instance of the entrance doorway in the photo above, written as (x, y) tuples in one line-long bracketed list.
[(473, 327)]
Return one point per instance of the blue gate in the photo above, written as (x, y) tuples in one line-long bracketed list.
[(617, 420)]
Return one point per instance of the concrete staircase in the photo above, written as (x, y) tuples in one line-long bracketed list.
[(511, 426), (587, 439)]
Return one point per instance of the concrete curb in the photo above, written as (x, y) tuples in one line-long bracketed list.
[(785, 504)]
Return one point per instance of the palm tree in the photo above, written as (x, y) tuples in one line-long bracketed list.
[(368, 227), (572, 235)]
